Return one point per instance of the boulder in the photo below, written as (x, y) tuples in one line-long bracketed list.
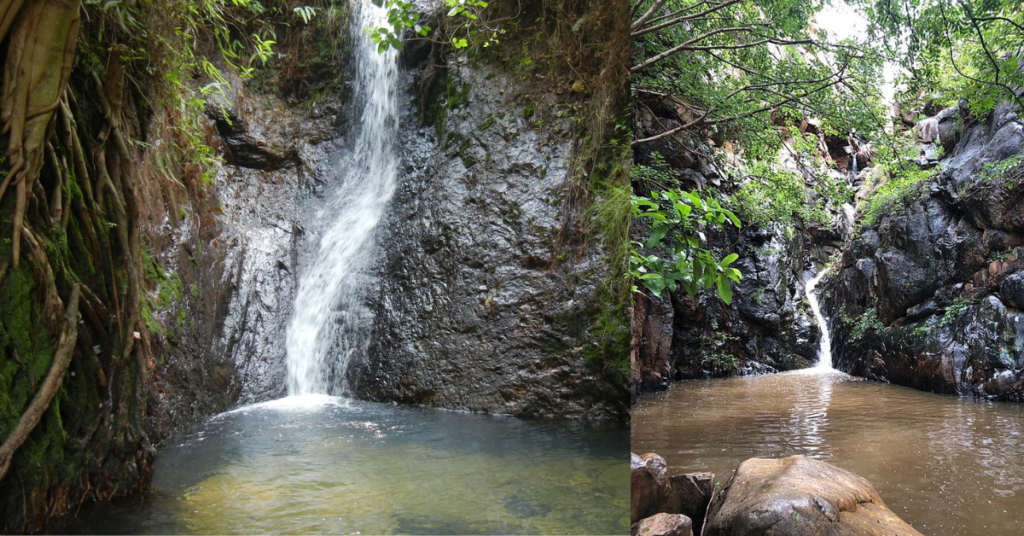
[(649, 486), (663, 525), (1012, 290), (654, 492), (799, 496)]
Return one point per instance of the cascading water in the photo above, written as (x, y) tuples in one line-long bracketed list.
[(330, 319), (825, 350)]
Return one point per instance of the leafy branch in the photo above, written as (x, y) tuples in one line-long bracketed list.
[(402, 16), (689, 264)]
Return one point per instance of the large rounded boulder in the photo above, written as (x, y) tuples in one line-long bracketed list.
[(798, 496)]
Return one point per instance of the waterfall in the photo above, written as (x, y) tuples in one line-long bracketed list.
[(853, 168), (330, 318), (825, 350)]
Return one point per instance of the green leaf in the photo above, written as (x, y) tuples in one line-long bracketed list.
[(725, 290), (657, 234)]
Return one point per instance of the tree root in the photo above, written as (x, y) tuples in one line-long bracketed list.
[(42, 273), (42, 41), (8, 11), (75, 146), (56, 201), (96, 312), (41, 402)]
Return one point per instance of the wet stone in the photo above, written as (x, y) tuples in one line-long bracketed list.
[(663, 525)]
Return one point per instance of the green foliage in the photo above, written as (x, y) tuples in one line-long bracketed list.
[(687, 215), (714, 356), (720, 361), (998, 256), (462, 17), (893, 196), (901, 182), (959, 305), (746, 67), (867, 322), (402, 15), (951, 50), (305, 12), (243, 32), (770, 194), (658, 173), (1009, 171)]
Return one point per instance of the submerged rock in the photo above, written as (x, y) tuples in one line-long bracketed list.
[(663, 525), (799, 496)]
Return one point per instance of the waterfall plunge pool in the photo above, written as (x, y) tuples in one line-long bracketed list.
[(332, 465), (945, 465)]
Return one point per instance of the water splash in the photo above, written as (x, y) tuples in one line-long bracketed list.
[(825, 350), (330, 318)]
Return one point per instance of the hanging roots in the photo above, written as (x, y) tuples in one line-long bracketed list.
[(39, 59)]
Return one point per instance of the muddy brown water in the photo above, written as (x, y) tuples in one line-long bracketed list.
[(946, 465)]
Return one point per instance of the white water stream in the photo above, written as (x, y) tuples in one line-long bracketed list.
[(825, 350), (330, 318)]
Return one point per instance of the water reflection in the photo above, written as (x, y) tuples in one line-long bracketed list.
[(946, 465)]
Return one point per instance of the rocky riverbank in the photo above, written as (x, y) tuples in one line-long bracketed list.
[(792, 496), (929, 296)]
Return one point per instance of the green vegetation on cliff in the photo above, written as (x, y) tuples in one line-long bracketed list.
[(116, 96)]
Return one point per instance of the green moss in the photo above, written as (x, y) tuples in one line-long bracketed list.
[(26, 333), (167, 293), (457, 96), (512, 212)]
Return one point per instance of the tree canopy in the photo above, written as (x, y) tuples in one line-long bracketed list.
[(952, 50), (740, 66)]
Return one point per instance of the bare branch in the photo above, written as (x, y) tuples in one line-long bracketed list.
[(1003, 19), (826, 82), (650, 13), (688, 45), (685, 18)]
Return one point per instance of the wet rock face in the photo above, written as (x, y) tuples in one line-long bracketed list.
[(930, 296), (768, 328), (254, 146), (651, 368), (265, 212), (799, 496), (231, 257), (477, 307)]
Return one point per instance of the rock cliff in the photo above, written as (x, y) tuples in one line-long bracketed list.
[(929, 295)]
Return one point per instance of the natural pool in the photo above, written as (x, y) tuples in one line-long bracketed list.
[(946, 465), (329, 465)]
